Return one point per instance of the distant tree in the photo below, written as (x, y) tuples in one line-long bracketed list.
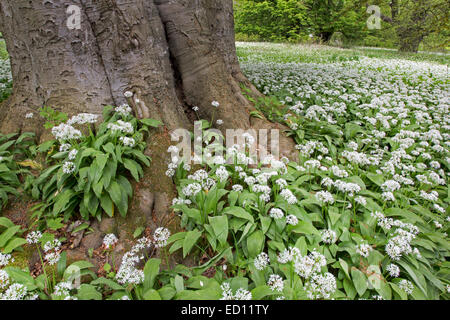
[(271, 19), (329, 16), (414, 20)]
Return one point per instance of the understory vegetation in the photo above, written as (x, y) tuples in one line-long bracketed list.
[(363, 214)]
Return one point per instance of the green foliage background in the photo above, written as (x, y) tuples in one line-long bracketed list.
[(317, 20)]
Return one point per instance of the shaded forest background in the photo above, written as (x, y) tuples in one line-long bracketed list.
[(404, 24)]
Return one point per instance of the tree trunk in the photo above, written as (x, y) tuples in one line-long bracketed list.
[(172, 54), (410, 44)]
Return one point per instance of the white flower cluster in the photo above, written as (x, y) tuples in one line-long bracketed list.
[(364, 249), (406, 286), (34, 237), (160, 237), (127, 141), (276, 213), (109, 241), (328, 236), (393, 270), (51, 249), (325, 197), (309, 267), (5, 259), (241, 294), (288, 196), (401, 236), (121, 126), (65, 132), (123, 110), (261, 261), (4, 279), (321, 286), (275, 283), (83, 118)]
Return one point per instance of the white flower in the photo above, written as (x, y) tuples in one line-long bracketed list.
[(29, 115), (406, 286), (4, 279), (321, 286), (54, 244), (52, 258), (128, 142), (241, 294), (5, 259), (328, 236), (325, 197), (363, 249), (276, 213), (69, 167), (121, 126), (66, 132), (63, 289), (123, 110), (237, 188), (390, 186), (16, 291), (288, 196), (65, 147), (215, 104), (160, 237), (128, 94), (83, 118), (261, 261), (34, 237), (275, 283), (432, 196), (192, 190), (222, 173), (110, 240), (305, 266), (394, 270), (72, 154), (292, 220)]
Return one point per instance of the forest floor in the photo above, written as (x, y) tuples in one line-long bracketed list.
[(363, 214)]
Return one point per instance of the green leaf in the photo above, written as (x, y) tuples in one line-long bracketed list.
[(189, 241), (88, 292), (179, 283), (107, 282), (152, 294), (151, 271), (239, 213), (220, 227), (133, 167), (359, 280), (7, 235), (14, 244), (304, 227), (138, 232), (107, 204), (255, 243), (116, 196), (55, 224), (261, 292)]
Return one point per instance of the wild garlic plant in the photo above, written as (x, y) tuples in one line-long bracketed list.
[(90, 173)]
